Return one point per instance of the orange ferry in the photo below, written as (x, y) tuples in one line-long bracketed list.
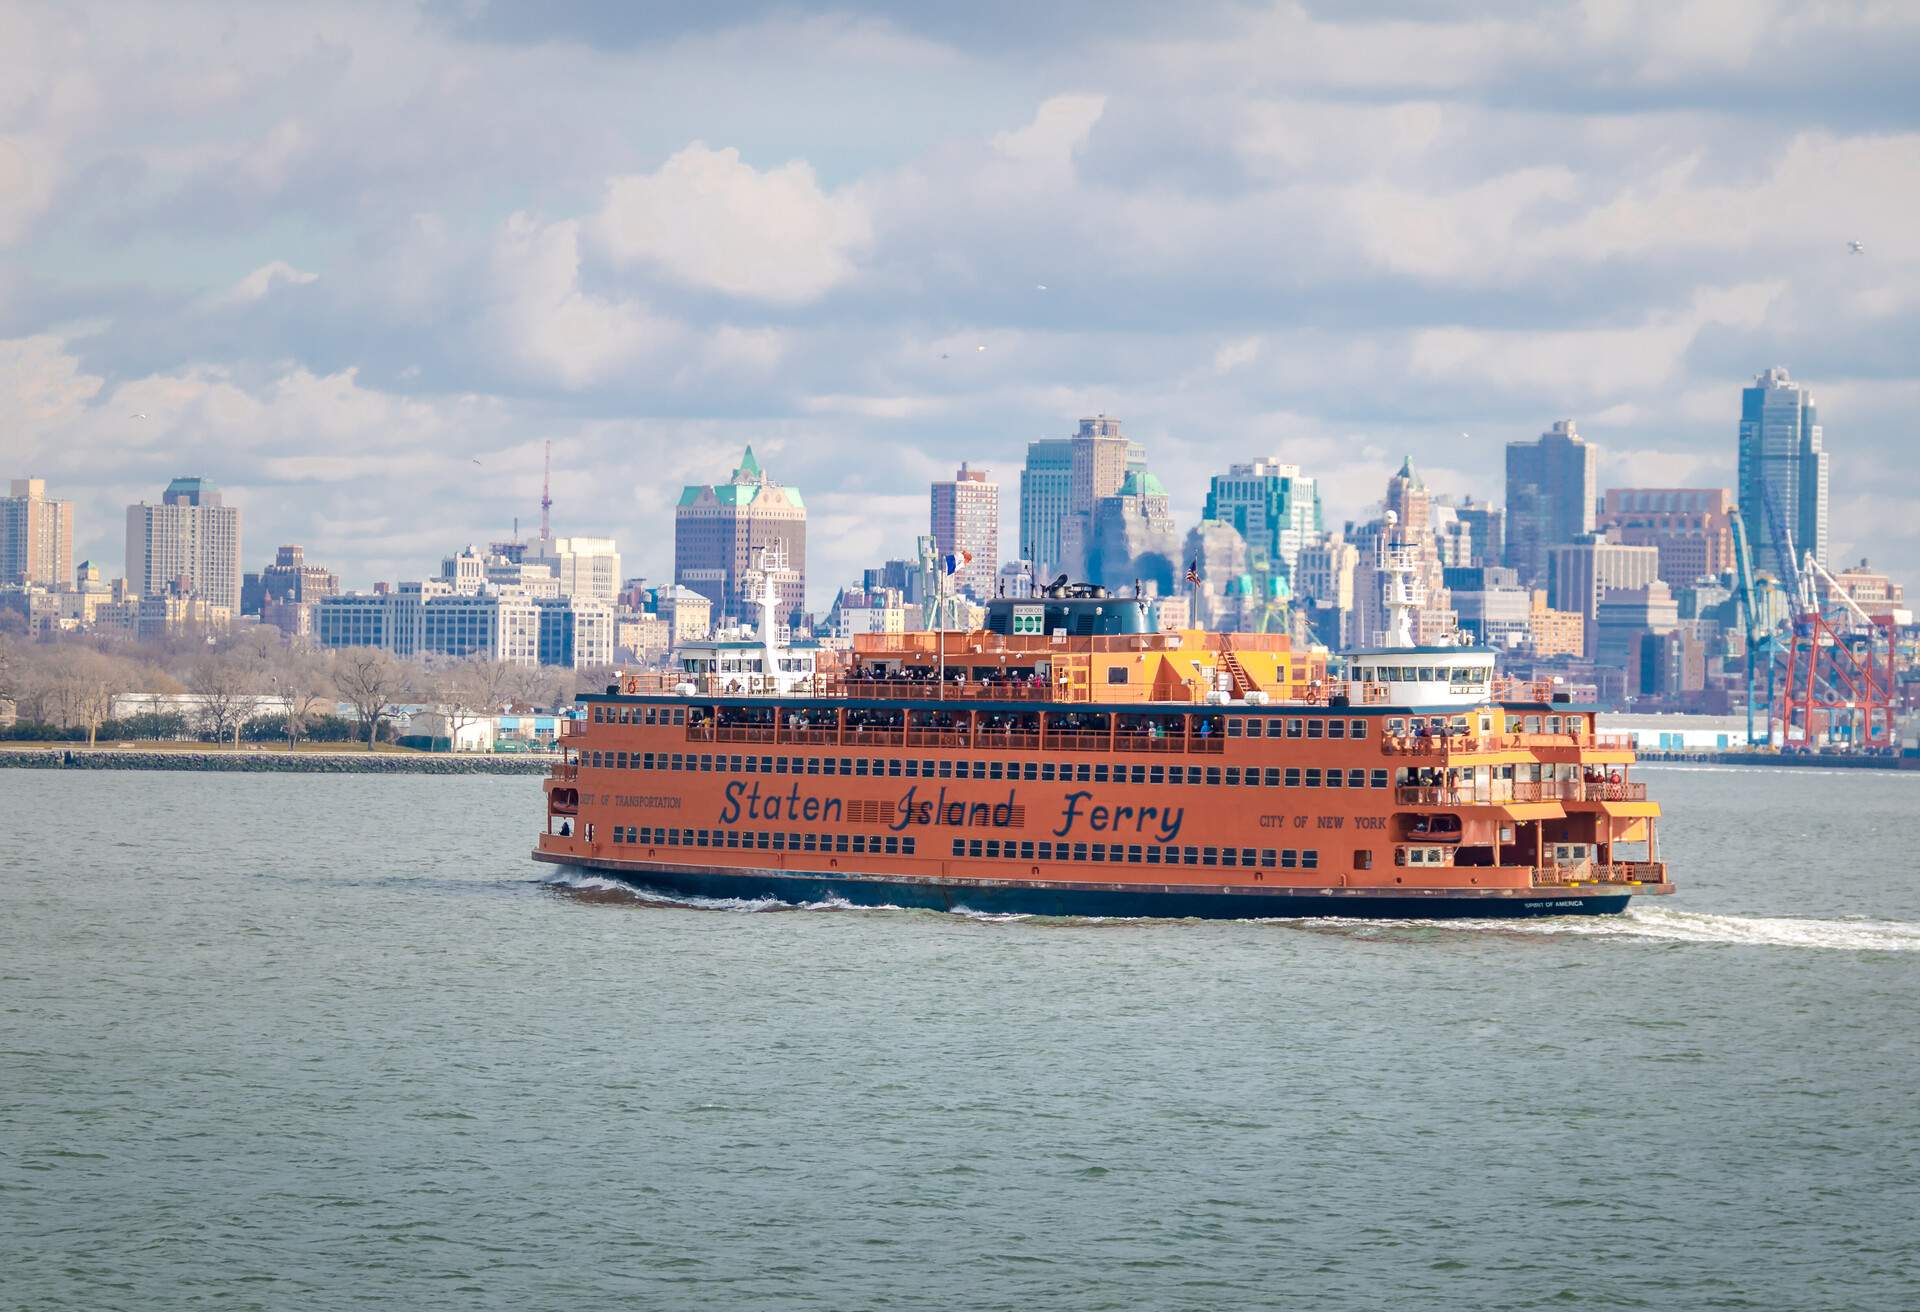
[(1066, 761)]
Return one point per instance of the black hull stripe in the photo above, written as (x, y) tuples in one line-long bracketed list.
[(997, 897)]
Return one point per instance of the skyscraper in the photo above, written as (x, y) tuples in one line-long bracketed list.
[(1046, 498), (1551, 487), (1783, 471), (1063, 481), (1132, 537), (36, 536), (1580, 574), (1271, 505), (718, 528), (1486, 530), (189, 543), (966, 521)]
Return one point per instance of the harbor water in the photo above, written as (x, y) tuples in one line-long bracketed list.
[(317, 1042)]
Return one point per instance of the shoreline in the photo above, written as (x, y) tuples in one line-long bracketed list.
[(226, 760)]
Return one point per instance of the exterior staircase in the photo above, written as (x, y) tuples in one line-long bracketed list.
[(1242, 681)]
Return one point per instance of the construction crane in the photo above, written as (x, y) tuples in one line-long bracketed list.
[(1761, 639), (1792, 578)]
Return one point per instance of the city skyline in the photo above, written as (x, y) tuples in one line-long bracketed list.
[(659, 546), (1339, 259)]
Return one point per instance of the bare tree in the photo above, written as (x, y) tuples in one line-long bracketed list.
[(373, 680), (475, 690), (11, 670), (227, 684), (550, 686), (303, 681), (85, 685)]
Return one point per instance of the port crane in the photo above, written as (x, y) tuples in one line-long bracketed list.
[(1841, 667), (1762, 639)]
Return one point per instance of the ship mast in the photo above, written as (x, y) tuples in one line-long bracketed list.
[(769, 562), (1400, 565)]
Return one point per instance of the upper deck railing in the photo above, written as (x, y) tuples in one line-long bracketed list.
[(1501, 791), (1522, 690), (1605, 872), (1459, 744), (1015, 688)]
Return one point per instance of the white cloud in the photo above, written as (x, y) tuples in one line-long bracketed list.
[(42, 384), (873, 407), (264, 279), (708, 219), (1588, 364), (544, 322), (26, 184), (1058, 128)]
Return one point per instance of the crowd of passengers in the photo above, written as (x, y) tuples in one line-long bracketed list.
[(1432, 778), (958, 674), (861, 717)]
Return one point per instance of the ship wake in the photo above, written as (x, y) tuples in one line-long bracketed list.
[(591, 888), (1671, 926), (1659, 924)]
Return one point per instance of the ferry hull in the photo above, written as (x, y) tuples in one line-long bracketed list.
[(990, 897)]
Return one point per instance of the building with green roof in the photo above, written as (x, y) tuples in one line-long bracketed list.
[(720, 527)]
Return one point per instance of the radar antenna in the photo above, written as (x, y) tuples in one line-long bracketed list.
[(546, 497)]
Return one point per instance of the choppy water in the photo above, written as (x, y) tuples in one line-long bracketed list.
[(316, 1042)]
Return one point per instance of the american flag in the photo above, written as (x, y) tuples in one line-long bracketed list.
[(1193, 571)]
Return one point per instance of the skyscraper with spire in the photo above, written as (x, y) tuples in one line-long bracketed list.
[(718, 529)]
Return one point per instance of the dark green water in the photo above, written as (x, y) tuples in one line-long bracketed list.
[(323, 1042)]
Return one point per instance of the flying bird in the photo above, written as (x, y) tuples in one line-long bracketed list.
[(979, 348), (1040, 286), (142, 414), (475, 459), (1855, 248)]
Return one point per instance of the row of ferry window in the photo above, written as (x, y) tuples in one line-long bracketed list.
[(1231, 776), (633, 714), (1276, 726), (1286, 858), (1294, 727), (760, 840)]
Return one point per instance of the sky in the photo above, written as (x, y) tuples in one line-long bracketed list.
[(357, 264)]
